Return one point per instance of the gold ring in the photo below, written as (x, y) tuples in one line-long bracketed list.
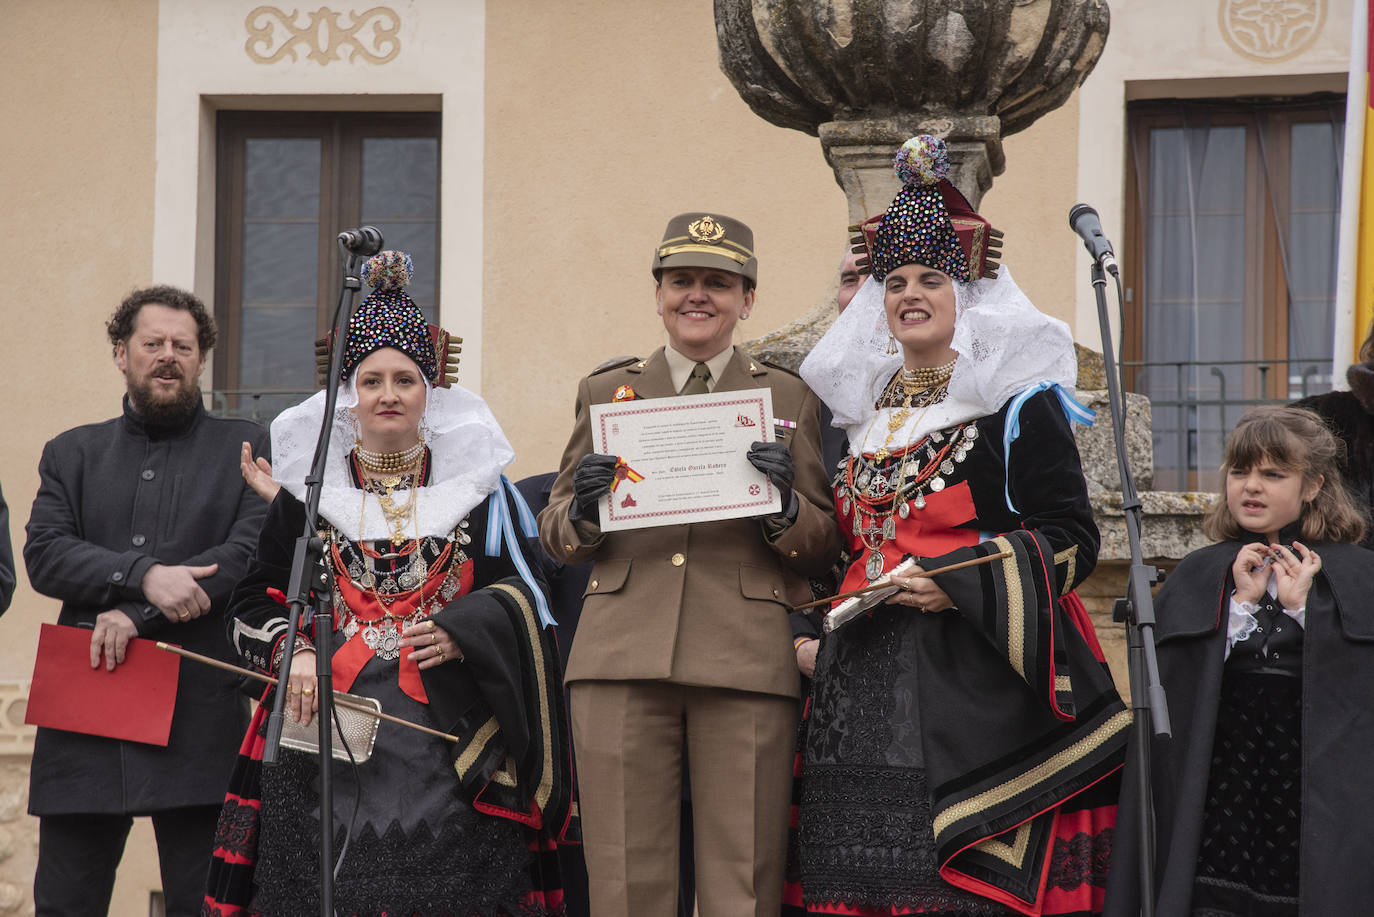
[(441, 655), (307, 690), (431, 626), (433, 639)]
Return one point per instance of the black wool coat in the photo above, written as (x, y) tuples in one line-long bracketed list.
[(6, 558), (114, 498), (1350, 415), (1337, 845)]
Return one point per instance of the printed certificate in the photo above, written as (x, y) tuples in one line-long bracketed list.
[(684, 459)]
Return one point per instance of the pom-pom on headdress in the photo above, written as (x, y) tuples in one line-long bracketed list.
[(929, 221), (388, 317)]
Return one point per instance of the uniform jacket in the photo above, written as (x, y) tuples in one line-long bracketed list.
[(115, 498), (705, 603)]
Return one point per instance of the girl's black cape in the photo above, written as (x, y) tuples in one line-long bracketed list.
[(1336, 877)]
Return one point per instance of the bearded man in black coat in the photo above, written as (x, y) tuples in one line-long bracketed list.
[(141, 526)]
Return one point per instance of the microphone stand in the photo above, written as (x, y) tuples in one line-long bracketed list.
[(307, 568), (1137, 610)]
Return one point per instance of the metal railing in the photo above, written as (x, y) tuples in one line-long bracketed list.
[(1195, 403), (259, 405)]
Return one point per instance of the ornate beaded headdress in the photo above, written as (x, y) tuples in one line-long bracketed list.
[(929, 222), (388, 317)]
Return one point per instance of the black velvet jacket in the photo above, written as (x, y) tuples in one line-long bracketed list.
[(503, 699)]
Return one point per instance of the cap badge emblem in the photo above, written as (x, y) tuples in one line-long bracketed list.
[(706, 229)]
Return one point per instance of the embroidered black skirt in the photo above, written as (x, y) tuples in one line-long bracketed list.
[(1249, 855), (417, 848), (867, 845)]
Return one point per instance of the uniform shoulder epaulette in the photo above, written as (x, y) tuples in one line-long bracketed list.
[(780, 367), (615, 363)]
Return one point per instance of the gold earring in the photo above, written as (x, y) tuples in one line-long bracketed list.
[(892, 344), (357, 430)]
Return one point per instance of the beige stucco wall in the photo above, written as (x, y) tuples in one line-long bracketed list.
[(571, 133), (77, 157), (604, 120), (1030, 202)]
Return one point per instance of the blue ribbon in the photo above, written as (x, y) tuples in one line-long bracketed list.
[(499, 526), (1075, 412)]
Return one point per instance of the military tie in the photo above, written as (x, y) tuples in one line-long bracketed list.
[(696, 383)]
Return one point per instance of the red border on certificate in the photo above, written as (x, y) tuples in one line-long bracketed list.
[(741, 490)]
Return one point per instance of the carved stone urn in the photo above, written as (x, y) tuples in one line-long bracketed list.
[(864, 75)]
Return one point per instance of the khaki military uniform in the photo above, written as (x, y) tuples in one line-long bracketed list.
[(684, 637)]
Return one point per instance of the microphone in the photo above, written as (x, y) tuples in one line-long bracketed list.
[(1084, 221), (365, 240)]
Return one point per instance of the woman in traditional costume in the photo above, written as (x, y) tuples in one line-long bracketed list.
[(962, 738), (437, 618), (1266, 653)]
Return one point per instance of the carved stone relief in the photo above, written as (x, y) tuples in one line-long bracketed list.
[(1271, 30), (324, 35)]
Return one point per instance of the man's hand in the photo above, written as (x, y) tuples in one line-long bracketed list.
[(174, 590), (591, 478), (806, 657), (113, 631)]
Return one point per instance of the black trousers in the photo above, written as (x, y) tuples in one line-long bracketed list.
[(78, 855)]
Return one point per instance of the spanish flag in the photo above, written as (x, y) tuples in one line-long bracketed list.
[(623, 472), (1355, 271)]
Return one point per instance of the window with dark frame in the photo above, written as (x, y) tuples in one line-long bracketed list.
[(287, 184), (1232, 217)]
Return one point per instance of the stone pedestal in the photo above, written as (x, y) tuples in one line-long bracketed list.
[(861, 153), (1170, 527)]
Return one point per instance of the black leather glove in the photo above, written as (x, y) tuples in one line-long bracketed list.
[(591, 478), (775, 461)]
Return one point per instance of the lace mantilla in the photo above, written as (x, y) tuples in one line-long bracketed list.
[(1005, 346), (467, 446)]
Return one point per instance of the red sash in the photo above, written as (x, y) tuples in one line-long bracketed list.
[(366, 609)]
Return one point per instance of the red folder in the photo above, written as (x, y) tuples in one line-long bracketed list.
[(133, 702)]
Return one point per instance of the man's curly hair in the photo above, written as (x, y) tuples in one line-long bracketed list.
[(121, 324)]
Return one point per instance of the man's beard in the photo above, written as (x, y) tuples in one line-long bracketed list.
[(160, 409)]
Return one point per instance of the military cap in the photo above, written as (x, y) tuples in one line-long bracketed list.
[(700, 239)]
